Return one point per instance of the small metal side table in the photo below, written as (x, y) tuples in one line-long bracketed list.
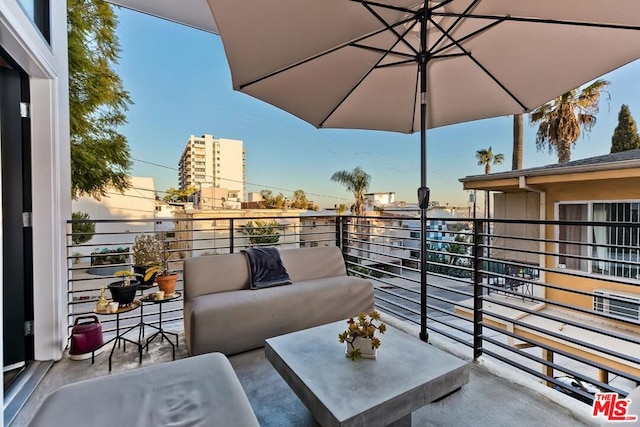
[(120, 336), (151, 299), (144, 287)]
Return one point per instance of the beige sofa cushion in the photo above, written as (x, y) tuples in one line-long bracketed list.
[(216, 273), (236, 321), (313, 263), (230, 272)]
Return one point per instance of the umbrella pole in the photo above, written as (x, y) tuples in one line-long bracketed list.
[(423, 191)]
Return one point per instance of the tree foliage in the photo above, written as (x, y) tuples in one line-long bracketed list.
[(562, 119), (625, 136), (297, 201), (357, 181), (262, 232), (83, 230), (97, 101), (177, 195), (486, 158), (269, 201)]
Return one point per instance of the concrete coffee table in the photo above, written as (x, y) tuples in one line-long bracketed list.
[(406, 375)]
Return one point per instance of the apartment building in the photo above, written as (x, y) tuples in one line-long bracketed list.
[(209, 162)]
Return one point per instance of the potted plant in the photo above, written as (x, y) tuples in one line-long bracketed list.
[(146, 251), (124, 291), (165, 279), (360, 336)]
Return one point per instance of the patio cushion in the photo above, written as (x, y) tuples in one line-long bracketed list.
[(231, 322), (222, 314), (198, 391), (313, 263)]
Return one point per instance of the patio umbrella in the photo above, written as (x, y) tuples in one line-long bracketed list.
[(406, 65)]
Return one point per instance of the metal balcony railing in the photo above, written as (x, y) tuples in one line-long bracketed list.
[(565, 305)]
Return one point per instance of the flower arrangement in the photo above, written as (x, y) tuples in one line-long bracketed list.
[(362, 327), (146, 250)]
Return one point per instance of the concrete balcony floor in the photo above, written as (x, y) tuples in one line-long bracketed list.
[(490, 398)]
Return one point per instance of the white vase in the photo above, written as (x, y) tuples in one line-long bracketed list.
[(364, 344)]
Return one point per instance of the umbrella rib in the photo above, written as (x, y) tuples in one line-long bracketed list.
[(408, 61), (320, 55), (543, 21), (389, 27), (468, 36), (384, 51), (393, 64), (456, 22), (321, 124), (482, 67)]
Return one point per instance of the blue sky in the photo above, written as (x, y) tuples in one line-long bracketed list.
[(180, 83)]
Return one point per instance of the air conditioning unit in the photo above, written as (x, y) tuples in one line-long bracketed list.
[(620, 304)]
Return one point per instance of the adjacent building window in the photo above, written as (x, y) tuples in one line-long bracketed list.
[(597, 247), (616, 304)]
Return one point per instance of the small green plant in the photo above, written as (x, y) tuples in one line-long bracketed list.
[(106, 256), (126, 276), (364, 327), (262, 232), (77, 256)]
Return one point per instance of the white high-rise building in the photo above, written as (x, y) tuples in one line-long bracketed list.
[(213, 162)]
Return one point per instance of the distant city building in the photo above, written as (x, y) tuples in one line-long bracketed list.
[(379, 199), (209, 162)]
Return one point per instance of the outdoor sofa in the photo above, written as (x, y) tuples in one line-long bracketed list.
[(197, 391), (222, 313)]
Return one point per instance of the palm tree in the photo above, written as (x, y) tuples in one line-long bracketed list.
[(562, 118), (516, 159), (357, 181), (486, 157)]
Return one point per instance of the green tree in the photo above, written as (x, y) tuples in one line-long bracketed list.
[(357, 181), (262, 232), (269, 201), (625, 136), (177, 195), (486, 158), (97, 101), (561, 120), (300, 201), (83, 230)]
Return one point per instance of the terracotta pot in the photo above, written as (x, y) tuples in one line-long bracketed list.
[(167, 283)]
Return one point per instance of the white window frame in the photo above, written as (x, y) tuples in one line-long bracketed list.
[(589, 203)]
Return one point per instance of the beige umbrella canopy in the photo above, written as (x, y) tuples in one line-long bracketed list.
[(406, 65)]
